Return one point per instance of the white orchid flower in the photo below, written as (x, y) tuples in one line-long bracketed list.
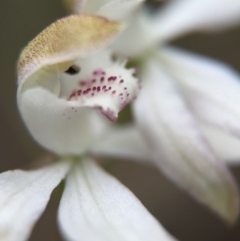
[(67, 80), (67, 84), (188, 106)]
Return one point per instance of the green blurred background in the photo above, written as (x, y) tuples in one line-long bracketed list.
[(22, 20)]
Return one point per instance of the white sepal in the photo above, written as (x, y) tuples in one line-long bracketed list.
[(211, 88), (23, 198), (227, 146), (95, 206), (179, 148), (179, 17)]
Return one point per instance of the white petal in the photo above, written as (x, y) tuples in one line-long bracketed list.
[(58, 125), (178, 147), (212, 89), (225, 145), (95, 206), (122, 142), (182, 16), (23, 198)]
